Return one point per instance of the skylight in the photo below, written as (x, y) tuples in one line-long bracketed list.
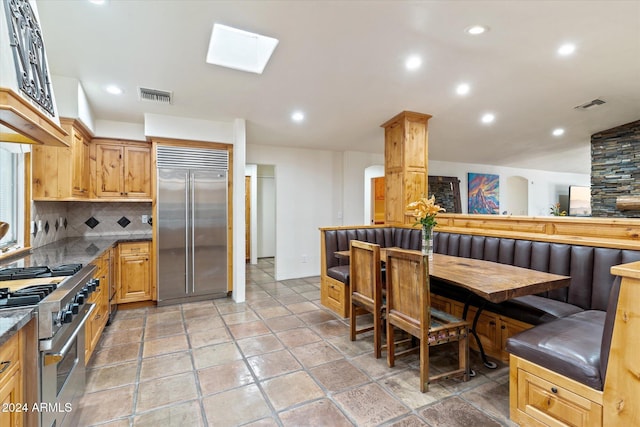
[(238, 49)]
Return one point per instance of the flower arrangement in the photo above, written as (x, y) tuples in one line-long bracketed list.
[(425, 211), (555, 210)]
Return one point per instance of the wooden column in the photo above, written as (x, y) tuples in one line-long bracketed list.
[(405, 166), (622, 383)]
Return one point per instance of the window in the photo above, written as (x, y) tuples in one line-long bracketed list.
[(12, 195)]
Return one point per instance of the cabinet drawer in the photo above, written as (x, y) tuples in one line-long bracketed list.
[(553, 405), (133, 248), (9, 357)]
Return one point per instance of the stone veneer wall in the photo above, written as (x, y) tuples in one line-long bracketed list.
[(615, 169), (59, 220)]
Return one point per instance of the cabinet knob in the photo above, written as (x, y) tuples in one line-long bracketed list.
[(554, 390)]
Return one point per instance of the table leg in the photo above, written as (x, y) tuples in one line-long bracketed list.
[(489, 364)]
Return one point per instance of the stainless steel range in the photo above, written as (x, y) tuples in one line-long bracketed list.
[(62, 312)]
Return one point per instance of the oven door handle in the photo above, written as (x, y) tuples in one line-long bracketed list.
[(51, 358)]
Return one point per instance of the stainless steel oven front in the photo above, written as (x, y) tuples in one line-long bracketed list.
[(63, 371)]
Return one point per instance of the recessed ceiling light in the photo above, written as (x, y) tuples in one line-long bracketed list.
[(476, 30), (238, 49), (114, 90), (98, 2), (566, 49), (463, 89), (558, 132), (488, 118), (297, 116), (413, 62)]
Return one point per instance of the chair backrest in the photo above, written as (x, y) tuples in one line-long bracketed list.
[(408, 295), (365, 277)]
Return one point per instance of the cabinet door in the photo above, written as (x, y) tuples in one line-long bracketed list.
[(134, 278), (11, 395), (137, 172), (109, 170), (80, 169)]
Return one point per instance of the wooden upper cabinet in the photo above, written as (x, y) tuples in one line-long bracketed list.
[(60, 173), (123, 169)]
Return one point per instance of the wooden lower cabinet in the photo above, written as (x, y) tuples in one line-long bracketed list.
[(98, 319), (335, 295), (540, 397), (492, 328), (134, 272), (12, 413)]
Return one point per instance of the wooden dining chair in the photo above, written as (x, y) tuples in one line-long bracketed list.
[(408, 308), (365, 280)]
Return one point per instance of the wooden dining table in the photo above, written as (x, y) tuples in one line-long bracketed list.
[(492, 281)]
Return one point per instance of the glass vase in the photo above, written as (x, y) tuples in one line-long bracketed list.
[(427, 241)]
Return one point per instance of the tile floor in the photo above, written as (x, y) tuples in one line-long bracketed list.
[(279, 359)]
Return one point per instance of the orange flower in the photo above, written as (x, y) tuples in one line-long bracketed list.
[(425, 211)]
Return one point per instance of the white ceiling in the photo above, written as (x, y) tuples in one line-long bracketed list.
[(342, 62)]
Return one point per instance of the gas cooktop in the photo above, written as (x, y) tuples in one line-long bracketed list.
[(16, 273), (29, 295)]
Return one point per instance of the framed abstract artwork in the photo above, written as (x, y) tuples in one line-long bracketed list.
[(484, 192)]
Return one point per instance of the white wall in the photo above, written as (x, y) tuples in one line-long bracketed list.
[(266, 208), (354, 166), (306, 183)]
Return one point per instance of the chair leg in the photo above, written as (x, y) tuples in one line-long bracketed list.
[(391, 346), (424, 364), (377, 335), (352, 322), (463, 356)]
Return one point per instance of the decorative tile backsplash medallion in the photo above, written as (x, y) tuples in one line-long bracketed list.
[(58, 220)]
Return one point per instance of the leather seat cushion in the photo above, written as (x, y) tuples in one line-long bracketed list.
[(569, 346), (534, 309), (340, 272)]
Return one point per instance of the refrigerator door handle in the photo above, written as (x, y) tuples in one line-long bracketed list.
[(186, 232), (193, 226)]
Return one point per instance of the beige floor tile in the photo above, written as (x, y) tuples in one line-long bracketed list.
[(113, 355), (339, 375), (111, 376), (315, 354), (249, 329), (171, 344), (209, 337), (291, 389), (272, 364), (122, 422), (235, 407), (316, 316), (165, 365), (265, 422), (301, 307), (159, 330), (204, 312), (125, 323), (224, 377), (298, 337), (409, 421), (492, 397), (259, 345), (119, 337), (182, 415), (330, 329), (283, 323), (363, 344), (218, 354), (321, 413), (240, 317), (164, 391), (228, 307), (265, 303), (130, 314), (455, 412), (405, 386), (370, 405), (91, 408), (377, 368), (292, 299), (164, 317), (198, 325), (270, 312)]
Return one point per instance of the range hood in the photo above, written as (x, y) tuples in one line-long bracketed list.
[(27, 103)]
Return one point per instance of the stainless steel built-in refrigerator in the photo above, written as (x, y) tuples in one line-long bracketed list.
[(191, 220)]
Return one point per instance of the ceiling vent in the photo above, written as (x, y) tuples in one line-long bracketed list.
[(155, 95), (587, 105)]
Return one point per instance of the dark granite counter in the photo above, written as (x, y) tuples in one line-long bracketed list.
[(12, 320), (81, 250), (66, 251)]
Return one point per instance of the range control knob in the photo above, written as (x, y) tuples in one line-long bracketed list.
[(67, 317), (80, 298), (75, 308), (91, 286), (85, 291)]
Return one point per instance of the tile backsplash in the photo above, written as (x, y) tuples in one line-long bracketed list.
[(58, 220)]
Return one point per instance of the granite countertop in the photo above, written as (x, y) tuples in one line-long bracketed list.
[(83, 250), (12, 320)]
